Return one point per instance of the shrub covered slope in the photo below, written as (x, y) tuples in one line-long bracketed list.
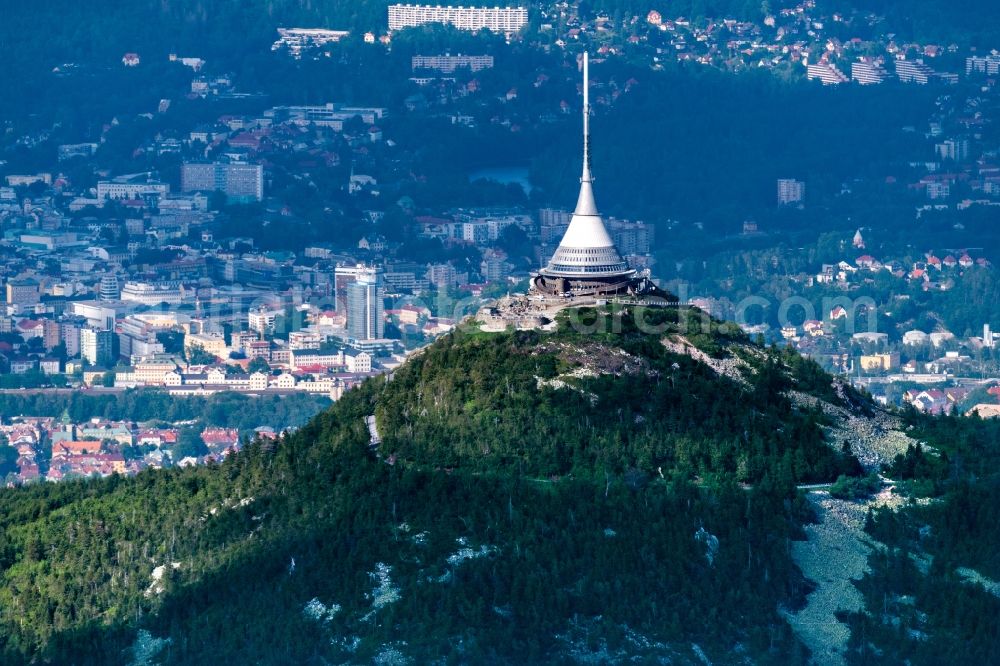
[(535, 497)]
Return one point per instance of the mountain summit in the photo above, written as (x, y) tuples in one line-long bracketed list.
[(622, 487)]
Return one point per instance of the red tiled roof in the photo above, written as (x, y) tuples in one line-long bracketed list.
[(75, 448)]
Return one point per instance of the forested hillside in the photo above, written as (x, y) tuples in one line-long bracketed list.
[(535, 497), (65, 31), (962, 21), (931, 594), (74, 32), (661, 149), (607, 492), (638, 407), (228, 410)]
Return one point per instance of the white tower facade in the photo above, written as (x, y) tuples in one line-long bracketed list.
[(587, 264), (586, 249)]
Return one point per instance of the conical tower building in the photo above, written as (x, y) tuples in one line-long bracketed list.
[(586, 261)]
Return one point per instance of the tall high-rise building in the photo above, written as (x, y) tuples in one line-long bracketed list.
[(97, 346), (631, 238), (552, 223), (955, 150), (365, 307), (343, 278), (239, 181), (69, 335), (50, 333)]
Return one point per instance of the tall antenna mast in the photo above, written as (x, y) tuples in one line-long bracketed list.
[(587, 176)]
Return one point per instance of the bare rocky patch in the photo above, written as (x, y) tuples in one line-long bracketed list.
[(592, 359), (833, 556), (730, 365), (973, 576), (874, 440)]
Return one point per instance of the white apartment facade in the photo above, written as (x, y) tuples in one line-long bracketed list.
[(448, 64), (298, 39), (505, 20), (331, 114), (262, 320), (868, 72), (825, 72), (790, 191)]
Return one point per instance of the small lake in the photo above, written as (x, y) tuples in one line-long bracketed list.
[(504, 175)]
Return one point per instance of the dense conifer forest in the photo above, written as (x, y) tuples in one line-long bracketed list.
[(534, 497), (530, 497), (224, 410), (504, 517), (924, 604)]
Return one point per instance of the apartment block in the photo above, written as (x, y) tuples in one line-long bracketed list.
[(498, 19)]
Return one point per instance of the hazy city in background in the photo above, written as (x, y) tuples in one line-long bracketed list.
[(270, 256)]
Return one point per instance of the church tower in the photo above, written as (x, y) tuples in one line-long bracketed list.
[(859, 240)]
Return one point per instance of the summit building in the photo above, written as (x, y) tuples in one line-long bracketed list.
[(587, 262)]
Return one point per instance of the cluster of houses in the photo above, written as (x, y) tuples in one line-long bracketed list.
[(89, 290), (53, 449), (812, 41), (315, 373), (954, 400), (843, 333), (936, 401), (802, 38), (931, 272)]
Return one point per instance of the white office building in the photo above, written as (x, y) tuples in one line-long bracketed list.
[(988, 64), (153, 293), (241, 182), (135, 186), (262, 320), (331, 114)]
